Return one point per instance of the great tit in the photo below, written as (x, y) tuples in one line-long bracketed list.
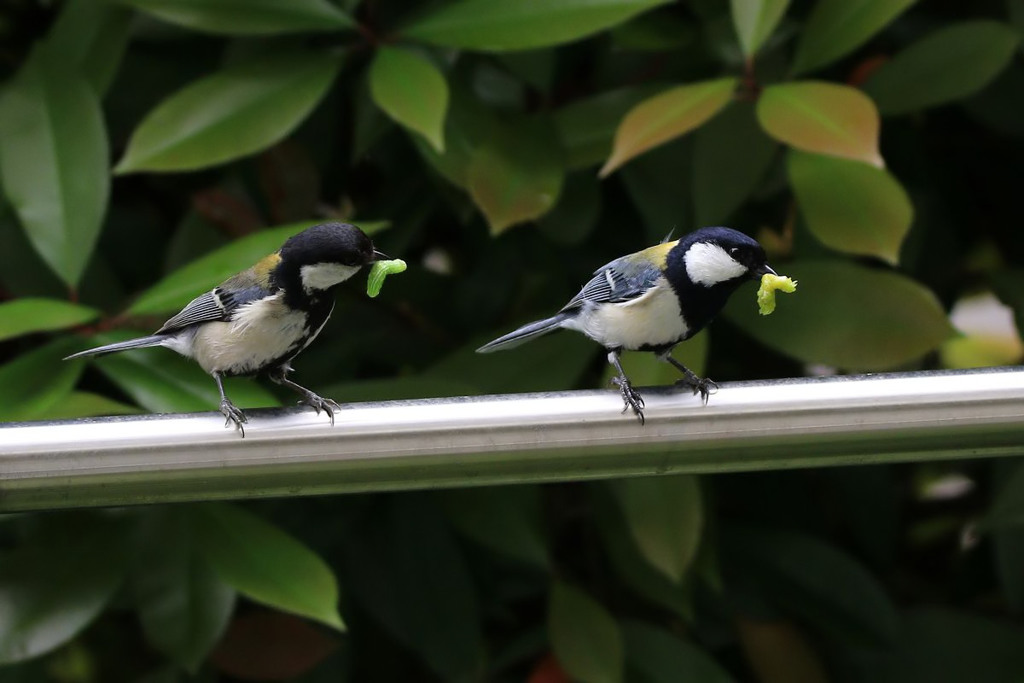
[(257, 321), (653, 299)]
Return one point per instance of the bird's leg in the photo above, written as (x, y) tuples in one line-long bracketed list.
[(280, 376), (630, 396), (700, 385), (228, 409)]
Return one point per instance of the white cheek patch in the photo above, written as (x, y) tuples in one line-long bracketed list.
[(320, 276), (709, 264)]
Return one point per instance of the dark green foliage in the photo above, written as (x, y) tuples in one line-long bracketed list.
[(151, 148)]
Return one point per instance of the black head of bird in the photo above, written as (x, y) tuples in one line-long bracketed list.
[(653, 299), (258, 320)]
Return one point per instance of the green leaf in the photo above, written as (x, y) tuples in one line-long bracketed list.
[(265, 564), (731, 156), (1008, 504), (847, 316), (837, 27), (665, 518), (93, 37), (237, 111), (506, 519), (851, 206), (632, 568), (587, 127), (467, 125), (521, 24), (177, 289), (183, 606), (35, 382), (247, 17), (799, 574), (755, 20), (25, 316), (1005, 523), (51, 589), (664, 117), (412, 91), (54, 160), (949, 64), (663, 658), (940, 645), (516, 175), (820, 117), (161, 381), (405, 567), (585, 638)]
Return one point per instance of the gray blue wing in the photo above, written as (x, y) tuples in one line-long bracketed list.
[(621, 280), (216, 305)]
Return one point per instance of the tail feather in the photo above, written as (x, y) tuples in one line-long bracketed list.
[(141, 342), (525, 333)]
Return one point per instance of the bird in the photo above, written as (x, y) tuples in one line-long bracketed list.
[(653, 299), (257, 321)]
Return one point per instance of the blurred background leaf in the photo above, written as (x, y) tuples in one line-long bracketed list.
[(264, 563), (584, 637), (950, 64), (521, 24), (235, 17), (237, 111), (53, 161)]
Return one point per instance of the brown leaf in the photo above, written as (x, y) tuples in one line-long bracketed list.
[(778, 652), (271, 646)]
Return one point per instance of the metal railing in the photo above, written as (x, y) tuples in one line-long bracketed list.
[(517, 438)]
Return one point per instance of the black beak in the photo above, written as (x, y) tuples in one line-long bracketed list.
[(380, 256), (764, 269)]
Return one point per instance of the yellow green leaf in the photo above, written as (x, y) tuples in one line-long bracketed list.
[(851, 206), (517, 175), (824, 118), (664, 117)]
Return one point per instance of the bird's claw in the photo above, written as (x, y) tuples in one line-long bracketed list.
[(700, 385), (631, 397), (231, 414), (319, 403)]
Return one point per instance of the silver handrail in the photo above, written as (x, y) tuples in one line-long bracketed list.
[(481, 440)]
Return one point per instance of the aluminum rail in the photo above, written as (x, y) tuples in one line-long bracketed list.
[(518, 438)]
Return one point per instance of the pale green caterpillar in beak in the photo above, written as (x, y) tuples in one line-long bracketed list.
[(766, 293), (379, 271)]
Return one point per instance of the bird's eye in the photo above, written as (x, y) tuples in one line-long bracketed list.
[(734, 250)]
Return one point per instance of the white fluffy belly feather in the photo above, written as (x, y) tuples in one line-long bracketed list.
[(652, 319), (261, 331)]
